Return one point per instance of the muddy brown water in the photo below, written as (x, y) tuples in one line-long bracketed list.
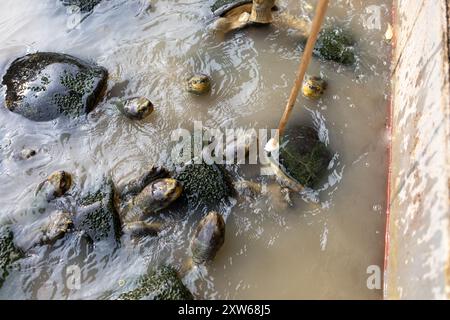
[(320, 248)]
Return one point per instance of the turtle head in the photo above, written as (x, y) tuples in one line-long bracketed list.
[(262, 11), (56, 185), (166, 190), (199, 84)]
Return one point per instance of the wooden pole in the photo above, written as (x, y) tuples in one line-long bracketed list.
[(306, 58)]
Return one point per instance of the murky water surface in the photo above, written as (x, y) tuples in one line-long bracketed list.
[(320, 248)]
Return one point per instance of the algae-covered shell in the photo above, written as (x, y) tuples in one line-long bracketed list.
[(84, 5), (302, 158), (96, 214), (43, 86), (208, 238), (336, 44), (163, 283), (204, 184)]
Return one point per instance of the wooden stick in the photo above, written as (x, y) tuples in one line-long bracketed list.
[(306, 58)]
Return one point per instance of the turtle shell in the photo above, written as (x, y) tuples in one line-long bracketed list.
[(221, 7), (302, 156)]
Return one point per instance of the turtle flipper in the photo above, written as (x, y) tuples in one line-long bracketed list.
[(227, 25), (139, 229)]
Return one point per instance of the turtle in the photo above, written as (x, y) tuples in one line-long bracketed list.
[(56, 185), (157, 195), (58, 224), (299, 163), (55, 224), (53, 187), (314, 87), (236, 14), (46, 231), (154, 191), (85, 6), (137, 108), (208, 238), (334, 43), (301, 158), (165, 282), (208, 185), (199, 84)]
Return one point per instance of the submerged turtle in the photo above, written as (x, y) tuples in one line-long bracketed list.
[(56, 228), (208, 238), (165, 283), (333, 43), (45, 232), (43, 86), (336, 44), (199, 84), (301, 159), (314, 87)]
